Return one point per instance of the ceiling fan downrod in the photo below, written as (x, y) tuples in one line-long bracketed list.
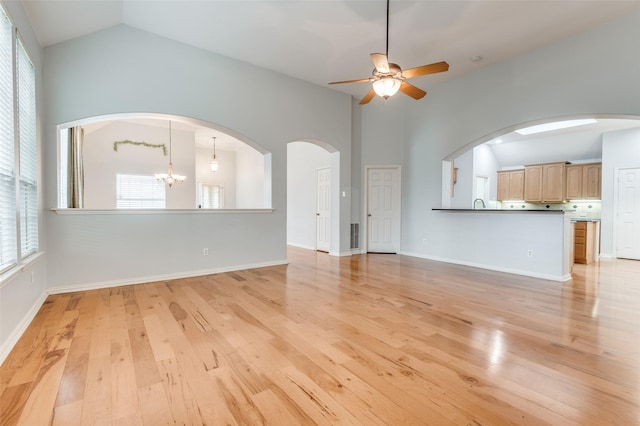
[(387, 50)]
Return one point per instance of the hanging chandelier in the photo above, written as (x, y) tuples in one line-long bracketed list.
[(213, 163), (169, 178)]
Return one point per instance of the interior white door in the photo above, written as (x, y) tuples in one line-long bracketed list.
[(323, 212), (383, 210), (628, 220)]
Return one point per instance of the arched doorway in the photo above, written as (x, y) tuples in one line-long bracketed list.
[(313, 196)]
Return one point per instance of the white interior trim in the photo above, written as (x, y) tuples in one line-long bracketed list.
[(63, 212), (164, 277), (560, 278)]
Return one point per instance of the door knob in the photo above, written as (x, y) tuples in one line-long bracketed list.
[(369, 215)]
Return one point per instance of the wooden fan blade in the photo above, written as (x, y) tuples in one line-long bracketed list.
[(425, 69), (381, 62), (411, 90), (362, 80), (367, 98)]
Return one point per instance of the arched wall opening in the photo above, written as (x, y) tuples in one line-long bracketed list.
[(470, 173), (313, 196), (117, 159), (506, 149)]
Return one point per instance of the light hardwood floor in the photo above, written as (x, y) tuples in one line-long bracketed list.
[(371, 339)]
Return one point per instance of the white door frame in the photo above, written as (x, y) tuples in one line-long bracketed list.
[(616, 190), (365, 210), (326, 249)]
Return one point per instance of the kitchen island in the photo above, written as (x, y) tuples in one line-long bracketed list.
[(534, 243)]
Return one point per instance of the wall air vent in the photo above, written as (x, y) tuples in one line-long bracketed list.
[(355, 235)]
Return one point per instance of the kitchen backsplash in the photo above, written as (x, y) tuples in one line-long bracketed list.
[(589, 209)]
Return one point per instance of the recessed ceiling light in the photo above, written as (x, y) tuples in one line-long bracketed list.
[(555, 125), (475, 58)]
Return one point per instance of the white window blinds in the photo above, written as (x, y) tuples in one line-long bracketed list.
[(25, 75), (18, 150), (8, 230), (139, 192), (210, 196)]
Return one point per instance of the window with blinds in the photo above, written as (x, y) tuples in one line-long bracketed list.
[(139, 192), (26, 105), (18, 149), (8, 229), (210, 196)]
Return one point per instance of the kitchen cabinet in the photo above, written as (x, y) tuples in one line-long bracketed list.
[(585, 242), (553, 182), (511, 185), (544, 183), (584, 181), (533, 184)]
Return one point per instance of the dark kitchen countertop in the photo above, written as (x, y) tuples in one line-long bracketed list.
[(503, 210)]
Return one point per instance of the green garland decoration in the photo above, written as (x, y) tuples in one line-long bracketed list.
[(145, 144)]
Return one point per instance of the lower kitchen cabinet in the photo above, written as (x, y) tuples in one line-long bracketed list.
[(586, 241)]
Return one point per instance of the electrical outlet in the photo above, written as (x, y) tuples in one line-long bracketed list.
[(530, 253), (205, 252)]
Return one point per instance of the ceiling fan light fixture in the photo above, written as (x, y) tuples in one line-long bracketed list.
[(386, 86)]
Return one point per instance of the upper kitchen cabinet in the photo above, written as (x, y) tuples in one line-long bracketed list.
[(553, 182), (544, 183), (533, 184), (511, 185), (584, 181)]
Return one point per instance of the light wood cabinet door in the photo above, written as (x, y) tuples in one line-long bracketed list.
[(533, 183), (503, 185), (553, 182), (584, 181), (592, 181), (511, 185), (585, 242), (516, 185), (574, 181)]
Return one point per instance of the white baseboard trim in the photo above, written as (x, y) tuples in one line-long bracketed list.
[(560, 278), (7, 345), (166, 277), (302, 246), (606, 256)]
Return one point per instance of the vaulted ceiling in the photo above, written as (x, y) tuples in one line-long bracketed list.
[(328, 40)]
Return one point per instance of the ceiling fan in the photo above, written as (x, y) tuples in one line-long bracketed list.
[(388, 77)]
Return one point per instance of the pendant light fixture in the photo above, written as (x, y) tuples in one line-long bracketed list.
[(169, 178), (213, 163)]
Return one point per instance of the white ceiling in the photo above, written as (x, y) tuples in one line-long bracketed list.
[(327, 40)]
